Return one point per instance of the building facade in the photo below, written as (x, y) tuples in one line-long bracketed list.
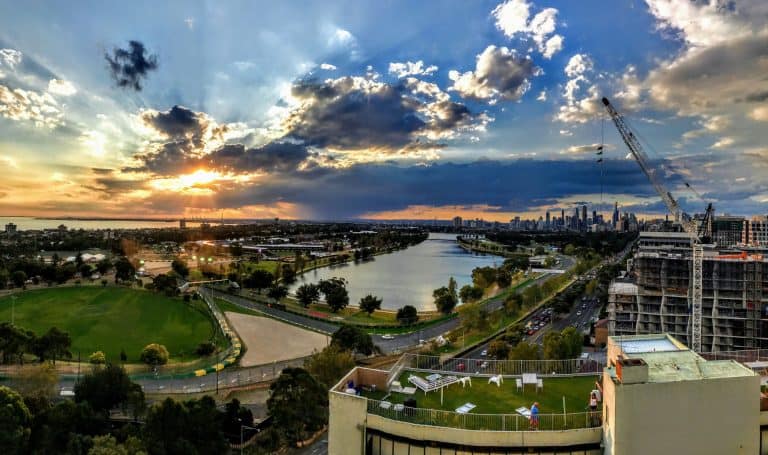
[(656, 297)]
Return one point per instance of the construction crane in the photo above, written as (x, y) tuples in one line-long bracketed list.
[(698, 232)]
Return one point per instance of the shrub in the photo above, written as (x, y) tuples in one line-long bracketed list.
[(97, 358), (154, 354), (206, 348)]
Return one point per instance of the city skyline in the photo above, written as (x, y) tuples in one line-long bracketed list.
[(352, 110)]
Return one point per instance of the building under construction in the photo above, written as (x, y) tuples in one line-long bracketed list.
[(655, 295)]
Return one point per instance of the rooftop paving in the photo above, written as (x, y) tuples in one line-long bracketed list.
[(490, 399)]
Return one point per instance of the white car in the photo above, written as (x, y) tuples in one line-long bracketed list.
[(484, 353), (387, 337)]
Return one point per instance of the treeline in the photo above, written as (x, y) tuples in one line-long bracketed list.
[(603, 243), (32, 423), (15, 342)]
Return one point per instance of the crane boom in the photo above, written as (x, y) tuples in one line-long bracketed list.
[(689, 225), (642, 159)]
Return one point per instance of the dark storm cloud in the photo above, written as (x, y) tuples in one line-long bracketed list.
[(175, 122), (756, 97), (510, 185), (177, 158), (351, 113), (129, 67), (272, 157), (341, 114)]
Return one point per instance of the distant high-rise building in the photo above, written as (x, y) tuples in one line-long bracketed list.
[(10, 228), (562, 218), (594, 217), (182, 223), (457, 222), (615, 214), (547, 223), (584, 217)]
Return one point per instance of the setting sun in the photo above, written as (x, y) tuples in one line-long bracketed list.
[(194, 183)]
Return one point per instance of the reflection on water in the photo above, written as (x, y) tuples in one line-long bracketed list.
[(406, 277)]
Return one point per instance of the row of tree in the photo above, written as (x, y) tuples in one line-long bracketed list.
[(16, 341)]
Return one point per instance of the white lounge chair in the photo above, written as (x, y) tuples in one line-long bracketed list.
[(539, 384), (519, 384)]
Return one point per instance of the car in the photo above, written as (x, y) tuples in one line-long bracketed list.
[(484, 353), (531, 332), (578, 313), (387, 336)]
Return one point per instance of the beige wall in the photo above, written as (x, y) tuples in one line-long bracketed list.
[(346, 424), (709, 416)]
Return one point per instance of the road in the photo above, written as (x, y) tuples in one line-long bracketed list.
[(581, 316)]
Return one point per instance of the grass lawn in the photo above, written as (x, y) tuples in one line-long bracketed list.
[(110, 319), (225, 306), (505, 399)]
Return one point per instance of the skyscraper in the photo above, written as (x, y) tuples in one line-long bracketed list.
[(615, 213), (547, 223), (584, 217)]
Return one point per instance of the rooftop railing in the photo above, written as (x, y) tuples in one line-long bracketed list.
[(485, 422), (571, 367)]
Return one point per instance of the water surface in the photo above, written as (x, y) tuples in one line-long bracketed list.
[(406, 277)]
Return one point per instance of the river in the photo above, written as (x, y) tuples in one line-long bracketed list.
[(406, 277)]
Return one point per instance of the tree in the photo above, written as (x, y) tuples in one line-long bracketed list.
[(498, 350), (353, 339), (307, 294), (445, 301), (180, 267), (573, 342), (330, 364), (15, 420), (66, 428), (124, 270), (97, 358), (103, 266), (165, 283), (85, 270), (288, 273), (154, 354), (192, 427), (19, 278), (539, 250), (105, 388), (259, 279), (108, 445), (407, 315), (524, 351), (38, 385), (554, 349), (483, 277), (469, 293), (370, 303), (473, 316), (335, 291), (206, 348), (298, 403), (512, 304), (14, 341), (503, 278), (52, 345), (123, 356), (277, 292)]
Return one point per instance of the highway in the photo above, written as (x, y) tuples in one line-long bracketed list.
[(581, 316)]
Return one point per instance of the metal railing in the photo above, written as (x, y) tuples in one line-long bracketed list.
[(746, 355), (486, 422), (571, 367)]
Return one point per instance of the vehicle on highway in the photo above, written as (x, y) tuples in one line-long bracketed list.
[(387, 336)]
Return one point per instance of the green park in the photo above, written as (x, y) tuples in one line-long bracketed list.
[(112, 319)]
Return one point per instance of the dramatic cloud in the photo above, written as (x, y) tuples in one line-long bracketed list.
[(512, 19), (581, 97), (129, 67), (327, 67), (39, 108), (61, 87), (404, 69), (9, 58), (500, 73), (355, 113)]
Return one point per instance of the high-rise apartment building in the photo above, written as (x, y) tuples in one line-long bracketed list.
[(657, 296)]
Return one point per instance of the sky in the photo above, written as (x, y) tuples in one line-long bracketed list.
[(379, 110)]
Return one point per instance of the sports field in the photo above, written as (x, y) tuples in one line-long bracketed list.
[(110, 319)]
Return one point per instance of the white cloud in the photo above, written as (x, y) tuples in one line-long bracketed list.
[(94, 141), (566, 133), (702, 23), (10, 58), (542, 96), (39, 108), (578, 65), (581, 104), (61, 87), (512, 19), (344, 39), (578, 149), (404, 69), (500, 73), (327, 67), (190, 21)]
